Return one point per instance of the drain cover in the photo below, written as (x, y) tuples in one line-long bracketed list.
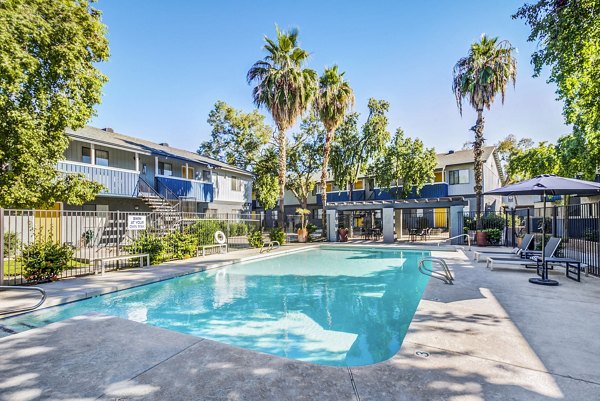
[(422, 354)]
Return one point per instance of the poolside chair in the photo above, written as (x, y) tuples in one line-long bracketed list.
[(481, 256), (526, 256)]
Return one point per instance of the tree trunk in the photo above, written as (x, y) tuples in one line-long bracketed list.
[(282, 169), (326, 152), (477, 153), (351, 228)]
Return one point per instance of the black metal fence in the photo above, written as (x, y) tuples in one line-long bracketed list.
[(577, 225), (38, 245)]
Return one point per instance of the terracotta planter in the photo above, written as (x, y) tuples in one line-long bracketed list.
[(302, 235), (482, 238)]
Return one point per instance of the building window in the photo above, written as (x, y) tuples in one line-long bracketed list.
[(187, 172), (317, 213), (236, 184), (101, 157), (165, 169), (86, 155), (458, 177), (211, 212), (358, 185), (206, 176)]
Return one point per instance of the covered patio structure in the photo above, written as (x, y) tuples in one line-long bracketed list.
[(392, 214)]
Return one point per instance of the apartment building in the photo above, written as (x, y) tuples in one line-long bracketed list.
[(141, 175), (454, 176)]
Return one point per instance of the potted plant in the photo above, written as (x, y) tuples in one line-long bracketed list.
[(302, 231)]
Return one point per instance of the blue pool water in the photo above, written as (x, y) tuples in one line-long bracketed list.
[(326, 306)]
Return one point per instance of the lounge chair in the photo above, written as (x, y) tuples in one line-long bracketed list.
[(481, 256), (526, 256)]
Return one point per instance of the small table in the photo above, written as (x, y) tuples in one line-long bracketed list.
[(572, 266)]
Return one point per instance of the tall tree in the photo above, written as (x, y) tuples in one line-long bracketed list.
[(509, 147), (478, 79), (236, 137), (304, 158), (565, 158), (406, 166), (353, 149), (48, 83), (541, 159), (568, 36), (266, 185), (335, 97), (286, 89)]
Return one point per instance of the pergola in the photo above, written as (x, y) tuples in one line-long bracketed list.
[(391, 221)]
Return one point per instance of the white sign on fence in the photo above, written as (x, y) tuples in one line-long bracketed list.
[(136, 222)]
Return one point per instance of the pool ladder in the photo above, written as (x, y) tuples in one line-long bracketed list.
[(444, 275), (21, 288), (269, 246)]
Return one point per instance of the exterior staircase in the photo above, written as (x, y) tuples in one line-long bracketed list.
[(155, 201), (157, 204)]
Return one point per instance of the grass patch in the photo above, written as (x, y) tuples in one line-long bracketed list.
[(14, 267)]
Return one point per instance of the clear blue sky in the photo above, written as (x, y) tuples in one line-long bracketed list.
[(172, 60)]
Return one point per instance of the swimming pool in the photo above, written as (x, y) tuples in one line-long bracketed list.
[(324, 305)]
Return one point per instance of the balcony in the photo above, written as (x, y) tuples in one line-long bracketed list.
[(200, 191), (117, 181), (342, 196), (436, 190)]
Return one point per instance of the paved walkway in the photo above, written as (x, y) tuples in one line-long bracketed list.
[(491, 336)]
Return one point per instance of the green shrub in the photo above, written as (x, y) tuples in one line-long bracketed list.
[(204, 231), (11, 243), (469, 224), (255, 238), (150, 244), (492, 221), (494, 235), (277, 234), (179, 245), (45, 259), (236, 229)]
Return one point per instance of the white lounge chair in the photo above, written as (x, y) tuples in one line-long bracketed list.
[(549, 251), (481, 256)]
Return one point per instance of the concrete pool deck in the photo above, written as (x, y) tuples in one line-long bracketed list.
[(490, 336)]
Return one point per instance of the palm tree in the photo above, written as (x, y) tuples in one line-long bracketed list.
[(284, 88), (335, 97), (478, 78)]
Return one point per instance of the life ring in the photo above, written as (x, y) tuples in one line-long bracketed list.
[(220, 237)]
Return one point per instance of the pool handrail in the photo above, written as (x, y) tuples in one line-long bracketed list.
[(22, 288), (457, 236), (445, 275)]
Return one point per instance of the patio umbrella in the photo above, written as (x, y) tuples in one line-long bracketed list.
[(548, 184)]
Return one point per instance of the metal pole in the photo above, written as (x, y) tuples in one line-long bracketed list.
[(544, 233), (1, 246), (514, 228)]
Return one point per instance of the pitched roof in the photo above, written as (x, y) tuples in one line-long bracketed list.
[(462, 157), (101, 136)]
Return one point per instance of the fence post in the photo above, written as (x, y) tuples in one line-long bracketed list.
[(555, 221), (514, 228), (528, 222), (1, 246), (597, 270), (505, 210), (118, 233)]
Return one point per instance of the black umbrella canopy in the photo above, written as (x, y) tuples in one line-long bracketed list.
[(549, 184)]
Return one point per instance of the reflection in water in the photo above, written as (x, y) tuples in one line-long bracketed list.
[(333, 307)]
